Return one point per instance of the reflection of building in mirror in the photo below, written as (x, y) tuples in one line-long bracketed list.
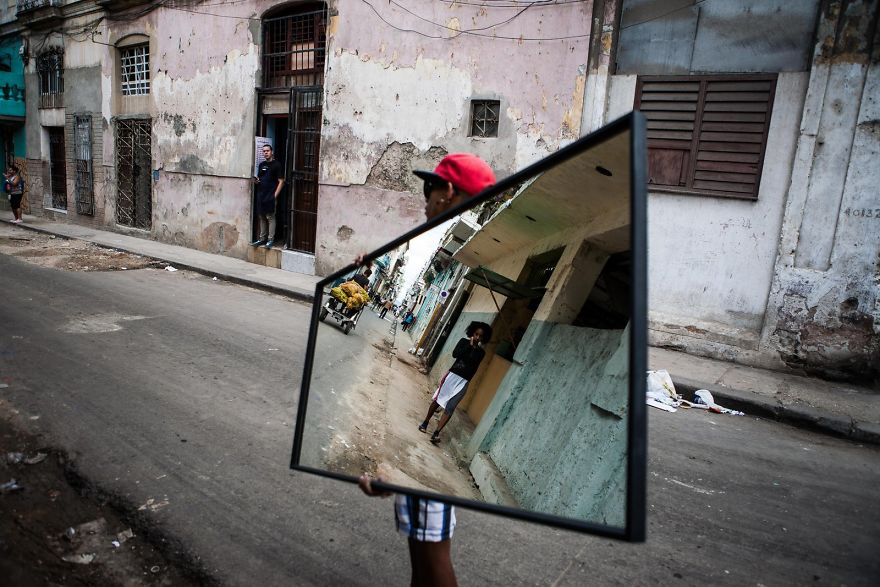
[(542, 421), (543, 424)]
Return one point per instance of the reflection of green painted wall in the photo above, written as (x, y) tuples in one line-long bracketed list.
[(556, 428), (11, 78), (560, 437)]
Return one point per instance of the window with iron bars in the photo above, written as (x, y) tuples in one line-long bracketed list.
[(50, 70), (484, 118), (294, 47), (135, 66), (82, 147)]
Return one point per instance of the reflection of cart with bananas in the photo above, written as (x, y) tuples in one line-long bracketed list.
[(345, 304)]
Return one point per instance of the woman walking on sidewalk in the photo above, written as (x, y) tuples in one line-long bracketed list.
[(14, 187), (468, 355)]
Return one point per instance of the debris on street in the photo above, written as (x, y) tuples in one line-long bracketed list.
[(661, 394)]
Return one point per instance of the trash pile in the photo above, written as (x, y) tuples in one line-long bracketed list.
[(351, 294), (661, 394)]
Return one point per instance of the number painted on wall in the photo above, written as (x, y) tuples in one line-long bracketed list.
[(862, 212)]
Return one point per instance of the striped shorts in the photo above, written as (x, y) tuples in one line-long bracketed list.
[(422, 519)]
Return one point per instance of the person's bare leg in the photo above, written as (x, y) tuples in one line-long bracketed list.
[(432, 564), (443, 420), (431, 409)]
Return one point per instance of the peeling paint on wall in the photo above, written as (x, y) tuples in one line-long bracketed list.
[(394, 169)]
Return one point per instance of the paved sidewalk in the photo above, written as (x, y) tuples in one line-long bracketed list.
[(239, 271), (828, 407)]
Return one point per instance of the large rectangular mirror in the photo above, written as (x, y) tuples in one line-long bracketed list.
[(519, 319)]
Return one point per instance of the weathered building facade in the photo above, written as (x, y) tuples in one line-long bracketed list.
[(142, 117), (763, 143), (12, 90), (162, 104)]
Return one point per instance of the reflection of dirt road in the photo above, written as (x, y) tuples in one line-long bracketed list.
[(365, 405)]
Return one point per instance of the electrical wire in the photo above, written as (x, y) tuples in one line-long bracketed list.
[(476, 32), (521, 38)]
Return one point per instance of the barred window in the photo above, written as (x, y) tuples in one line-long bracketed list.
[(135, 62), (294, 47), (484, 118), (82, 151), (50, 69), (706, 134)]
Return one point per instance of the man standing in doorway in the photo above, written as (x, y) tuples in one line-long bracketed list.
[(269, 180)]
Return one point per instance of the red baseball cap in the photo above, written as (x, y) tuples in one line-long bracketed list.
[(464, 171)]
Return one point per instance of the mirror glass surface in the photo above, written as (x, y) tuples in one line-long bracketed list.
[(538, 408)]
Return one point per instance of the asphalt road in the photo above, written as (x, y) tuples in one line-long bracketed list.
[(178, 389)]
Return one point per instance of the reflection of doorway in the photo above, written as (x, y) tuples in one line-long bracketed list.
[(134, 205), (57, 168), (509, 327)]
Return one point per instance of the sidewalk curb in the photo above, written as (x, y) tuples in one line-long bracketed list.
[(806, 417), (296, 294)]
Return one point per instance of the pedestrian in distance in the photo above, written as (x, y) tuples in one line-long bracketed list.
[(468, 355), (269, 180), (429, 524), (385, 307), (14, 188)]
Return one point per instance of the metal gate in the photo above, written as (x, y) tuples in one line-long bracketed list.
[(134, 203), (82, 156), (57, 168), (304, 142)]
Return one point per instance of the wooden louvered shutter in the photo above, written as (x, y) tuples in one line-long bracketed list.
[(707, 134)]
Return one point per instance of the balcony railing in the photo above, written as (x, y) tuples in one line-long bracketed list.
[(29, 5)]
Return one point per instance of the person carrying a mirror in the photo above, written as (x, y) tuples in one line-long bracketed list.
[(468, 355), (428, 524)]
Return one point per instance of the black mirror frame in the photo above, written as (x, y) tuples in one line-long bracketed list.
[(637, 430)]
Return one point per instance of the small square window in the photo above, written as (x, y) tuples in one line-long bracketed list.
[(135, 66), (484, 118)]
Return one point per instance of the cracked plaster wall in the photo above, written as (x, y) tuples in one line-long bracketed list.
[(824, 310), (397, 100), (791, 280), (201, 103)]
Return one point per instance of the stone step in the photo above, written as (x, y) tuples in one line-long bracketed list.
[(263, 256)]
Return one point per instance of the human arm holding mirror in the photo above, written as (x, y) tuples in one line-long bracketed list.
[(552, 432)]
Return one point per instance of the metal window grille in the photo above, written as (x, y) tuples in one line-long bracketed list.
[(57, 168), (82, 150), (484, 118), (707, 134), (50, 70), (135, 63), (294, 49), (134, 200), (306, 107)]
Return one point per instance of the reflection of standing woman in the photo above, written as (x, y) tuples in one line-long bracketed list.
[(15, 189), (453, 386)]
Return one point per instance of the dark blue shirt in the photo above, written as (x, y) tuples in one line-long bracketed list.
[(269, 174)]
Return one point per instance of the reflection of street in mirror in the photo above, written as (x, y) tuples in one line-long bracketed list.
[(540, 412)]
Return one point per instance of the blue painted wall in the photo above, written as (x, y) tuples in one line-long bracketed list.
[(11, 79)]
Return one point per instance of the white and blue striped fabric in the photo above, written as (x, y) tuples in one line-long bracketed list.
[(424, 520)]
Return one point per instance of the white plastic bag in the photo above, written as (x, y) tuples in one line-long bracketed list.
[(661, 389)]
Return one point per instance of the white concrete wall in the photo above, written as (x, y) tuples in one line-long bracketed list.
[(711, 260)]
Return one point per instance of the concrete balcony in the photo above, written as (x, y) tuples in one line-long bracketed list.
[(38, 13)]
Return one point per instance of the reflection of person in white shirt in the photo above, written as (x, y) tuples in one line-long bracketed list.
[(428, 523)]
